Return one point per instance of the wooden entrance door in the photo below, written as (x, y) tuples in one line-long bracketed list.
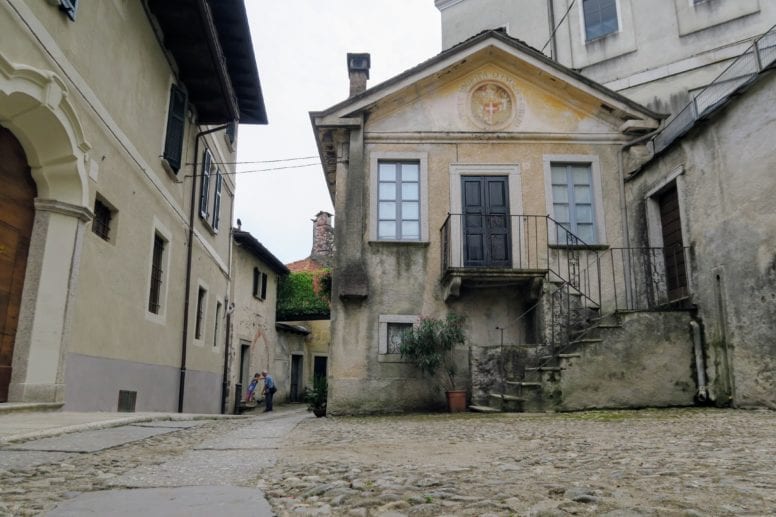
[(673, 247), (486, 227), (296, 378), (17, 213)]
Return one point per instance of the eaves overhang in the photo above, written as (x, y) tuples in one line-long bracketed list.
[(463, 51), (258, 250), (211, 45)]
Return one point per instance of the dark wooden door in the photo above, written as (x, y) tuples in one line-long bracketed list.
[(673, 247), (319, 367), (16, 217), (296, 377), (486, 221)]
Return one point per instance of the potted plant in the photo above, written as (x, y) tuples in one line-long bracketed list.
[(315, 397), (430, 345)]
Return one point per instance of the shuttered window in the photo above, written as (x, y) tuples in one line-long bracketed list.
[(176, 118), (204, 189), (69, 7), (157, 274), (217, 201)]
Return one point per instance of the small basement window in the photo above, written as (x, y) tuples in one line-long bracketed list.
[(103, 215)]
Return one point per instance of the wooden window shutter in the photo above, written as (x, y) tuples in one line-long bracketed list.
[(217, 200), (204, 192), (263, 286), (176, 121)]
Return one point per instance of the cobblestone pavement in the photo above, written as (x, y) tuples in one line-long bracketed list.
[(675, 462), (33, 482)]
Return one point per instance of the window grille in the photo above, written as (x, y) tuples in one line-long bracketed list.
[(102, 219), (395, 334), (200, 313), (154, 298)]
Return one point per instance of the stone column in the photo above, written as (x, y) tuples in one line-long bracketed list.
[(47, 302)]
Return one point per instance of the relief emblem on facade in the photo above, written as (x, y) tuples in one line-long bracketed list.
[(491, 101)]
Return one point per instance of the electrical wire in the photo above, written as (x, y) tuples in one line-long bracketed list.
[(317, 164), (262, 161)]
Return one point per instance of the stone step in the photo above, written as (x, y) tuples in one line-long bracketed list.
[(523, 384), (586, 341), (484, 409), (544, 369), (568, 356), (503, 396)]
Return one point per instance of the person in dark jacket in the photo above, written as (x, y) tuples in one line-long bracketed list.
[(269, 390)]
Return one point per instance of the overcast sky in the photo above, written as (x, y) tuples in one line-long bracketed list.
[(300, 48)]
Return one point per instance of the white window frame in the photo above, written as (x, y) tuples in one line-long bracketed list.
[(204, 184), (374, 159), (515, 185), (158, 228), (598, 198), (382, 339), (583, 24)]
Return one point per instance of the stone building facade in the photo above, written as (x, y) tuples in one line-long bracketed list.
[(657, 53), (122, 119), (487, 182)]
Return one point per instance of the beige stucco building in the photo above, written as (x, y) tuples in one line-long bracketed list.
[(115, 286), (254, 338), (657, 53), (487, 181)]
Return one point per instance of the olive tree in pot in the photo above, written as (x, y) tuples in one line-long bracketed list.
[(429, 345)]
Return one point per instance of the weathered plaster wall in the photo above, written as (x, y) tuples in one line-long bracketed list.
[(661, 51), (726, 184), (646, 363), (405, 278)]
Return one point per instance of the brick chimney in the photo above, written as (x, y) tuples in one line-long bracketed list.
[(323, 239), (358, 72)]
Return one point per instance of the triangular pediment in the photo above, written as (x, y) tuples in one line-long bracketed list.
[(492, 83)]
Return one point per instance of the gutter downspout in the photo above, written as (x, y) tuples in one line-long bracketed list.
[(551, 18), (700, 367), (189, 250)]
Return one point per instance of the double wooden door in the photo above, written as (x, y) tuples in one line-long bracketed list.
[(486, 224), (16, 217)]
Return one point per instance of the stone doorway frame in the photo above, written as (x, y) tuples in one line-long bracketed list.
[(35, 107)]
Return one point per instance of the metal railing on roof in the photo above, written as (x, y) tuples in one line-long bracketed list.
[(744, 69)]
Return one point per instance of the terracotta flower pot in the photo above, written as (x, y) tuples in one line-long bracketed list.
[(456, 401)]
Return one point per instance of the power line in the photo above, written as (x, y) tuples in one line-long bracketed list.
[(262, 161), (552, 34), (260, 170)]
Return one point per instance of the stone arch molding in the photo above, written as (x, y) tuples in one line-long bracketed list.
[(34, 106)]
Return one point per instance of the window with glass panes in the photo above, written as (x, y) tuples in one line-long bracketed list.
[(396, 333), (600, 18), (398, 210), (572, 201)]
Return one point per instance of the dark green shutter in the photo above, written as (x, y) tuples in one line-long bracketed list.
[(204, 189), (176, 120), (217, 200)]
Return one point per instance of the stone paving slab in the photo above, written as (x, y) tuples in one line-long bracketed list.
[(183, 424), (200, 468), (10, 460), (92, 441), (200, 501)]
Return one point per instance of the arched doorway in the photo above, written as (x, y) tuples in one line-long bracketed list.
[(17, 214)]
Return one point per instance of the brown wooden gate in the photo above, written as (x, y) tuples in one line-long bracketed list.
[(16, 217)]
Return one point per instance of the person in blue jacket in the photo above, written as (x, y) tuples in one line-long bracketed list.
[(269, 390)]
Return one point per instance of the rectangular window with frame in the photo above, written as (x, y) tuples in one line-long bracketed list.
[(157, 274), (572, 202), (600, 18), (176, 124), (398, 198), (391, 330), (201, 294), (395, 335), (264, 286), (101, 224), (259, 284), (204, 188), (69, 7)]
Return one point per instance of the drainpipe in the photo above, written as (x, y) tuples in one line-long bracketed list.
[(551, 18), (700, 367), (189, 250), (227, 348)]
